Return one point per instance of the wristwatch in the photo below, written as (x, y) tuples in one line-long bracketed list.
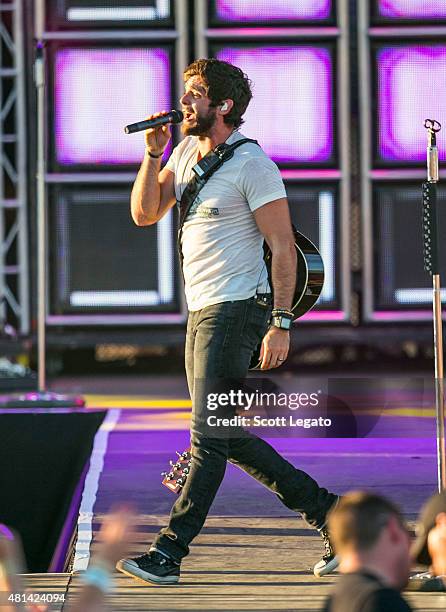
[(281, 323), (282, 318)]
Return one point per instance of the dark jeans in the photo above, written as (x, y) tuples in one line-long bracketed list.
[(219, 343)]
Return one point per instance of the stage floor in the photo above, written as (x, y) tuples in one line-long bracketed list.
[(253, 553)]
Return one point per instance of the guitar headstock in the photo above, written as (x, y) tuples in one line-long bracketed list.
[(176, 477)]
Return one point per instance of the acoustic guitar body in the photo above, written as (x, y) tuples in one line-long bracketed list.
[(309, 281)]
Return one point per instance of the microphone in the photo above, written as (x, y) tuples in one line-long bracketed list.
[(175, 116)]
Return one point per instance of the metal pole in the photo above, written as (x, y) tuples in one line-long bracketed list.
[(439, 382), (39, 76), (2, 208), (431, 265), (39, 80), (21, 130)]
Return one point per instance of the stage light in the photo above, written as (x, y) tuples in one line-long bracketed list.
[(417, 296), (314, 213), (267, 11), (411, 82), (123, 269), (291, 113), (400, 281), (327, 244), (412, 9), (99, 13), (99, 90)]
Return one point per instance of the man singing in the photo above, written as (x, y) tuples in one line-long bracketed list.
[(226, 285)]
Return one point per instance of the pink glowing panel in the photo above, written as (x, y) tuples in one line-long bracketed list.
[(291, 113), (265, 10), (411, 88), (324, 315), (409, 9), (98, 92)]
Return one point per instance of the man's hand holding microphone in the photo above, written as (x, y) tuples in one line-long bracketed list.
[(157, 130), (157, 138)]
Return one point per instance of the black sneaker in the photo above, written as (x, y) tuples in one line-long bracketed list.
[(152, 567), (426, 582), (329, 561)]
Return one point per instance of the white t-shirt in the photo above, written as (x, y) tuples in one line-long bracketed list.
[(222, 245)]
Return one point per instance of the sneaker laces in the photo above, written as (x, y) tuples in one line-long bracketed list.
[(161, 557), (152, 557), (158, 557), (329, 552)]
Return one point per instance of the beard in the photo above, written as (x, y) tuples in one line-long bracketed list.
[(203, 123)]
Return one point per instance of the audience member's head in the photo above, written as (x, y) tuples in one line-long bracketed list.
[(430, 546), (369, 534)]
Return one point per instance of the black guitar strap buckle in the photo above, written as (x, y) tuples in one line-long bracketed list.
[(208, 164), (224, 151)]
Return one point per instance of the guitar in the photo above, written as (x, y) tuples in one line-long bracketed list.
[(309, 281)]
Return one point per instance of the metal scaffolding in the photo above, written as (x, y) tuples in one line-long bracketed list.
[(14, 274)]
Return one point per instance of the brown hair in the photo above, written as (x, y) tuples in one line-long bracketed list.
[(358, 520), (222, 80)]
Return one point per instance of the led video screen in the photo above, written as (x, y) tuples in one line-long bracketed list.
[(292, 110), (314, 212), (411, 87), (112, 266), (267, 12), (400, 282), (410, 9), (96, 92), (65, 14)]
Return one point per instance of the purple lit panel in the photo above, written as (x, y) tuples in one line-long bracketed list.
[(265, 10), (291, 113), (97, 93), (410, 9), (411, 88)]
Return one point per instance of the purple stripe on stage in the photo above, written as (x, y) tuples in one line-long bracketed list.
[(402, 468)]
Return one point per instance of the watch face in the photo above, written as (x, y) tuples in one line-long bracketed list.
[(285, 323), (282, 322)]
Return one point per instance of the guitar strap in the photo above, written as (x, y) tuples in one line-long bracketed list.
[(210, 162)]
